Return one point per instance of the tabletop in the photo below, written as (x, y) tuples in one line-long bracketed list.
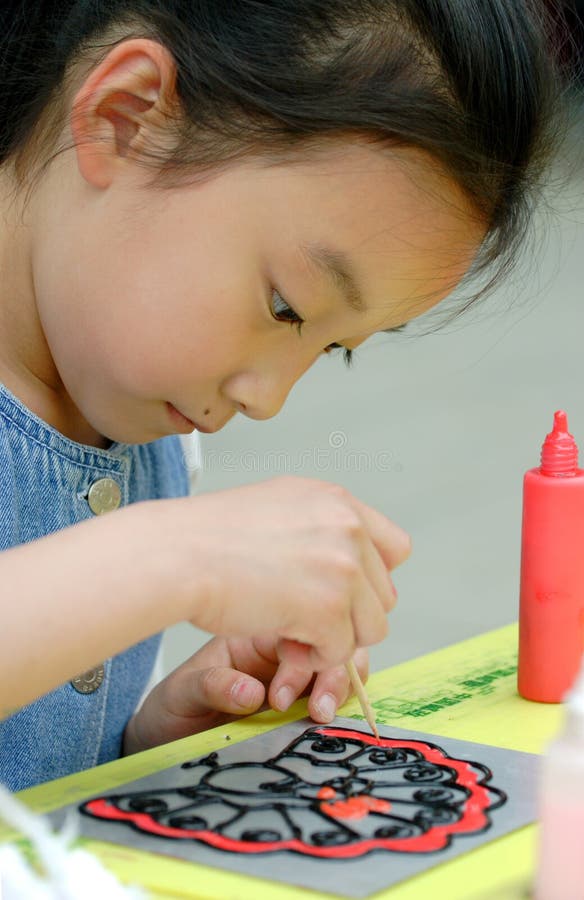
[(466, 691)]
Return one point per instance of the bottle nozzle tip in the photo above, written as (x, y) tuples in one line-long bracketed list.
[(559, 454), (560, 420)]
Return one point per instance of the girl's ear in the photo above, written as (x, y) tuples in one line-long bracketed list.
[(123, 102)]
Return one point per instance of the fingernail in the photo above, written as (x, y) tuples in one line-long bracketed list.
[(326, 707), (244, 693), (284, 698)]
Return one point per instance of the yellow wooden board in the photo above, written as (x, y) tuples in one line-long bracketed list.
[(466, 691)]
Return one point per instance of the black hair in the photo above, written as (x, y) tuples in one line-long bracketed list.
[(471, 82)]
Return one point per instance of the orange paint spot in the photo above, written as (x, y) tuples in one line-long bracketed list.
[(355, 807), (326, 793)]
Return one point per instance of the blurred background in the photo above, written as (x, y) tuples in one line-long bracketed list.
[(437, 430)]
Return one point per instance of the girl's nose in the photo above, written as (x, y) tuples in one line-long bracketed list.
[(259, 397)]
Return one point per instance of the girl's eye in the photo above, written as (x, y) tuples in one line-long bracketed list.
[(284, 313), (347, 354)]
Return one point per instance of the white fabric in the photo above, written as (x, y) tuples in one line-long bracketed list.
[(191, 444), (68, 874)]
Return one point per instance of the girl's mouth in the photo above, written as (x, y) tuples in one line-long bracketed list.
[(186, 425)]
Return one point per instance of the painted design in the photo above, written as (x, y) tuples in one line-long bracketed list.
[(333, 793)]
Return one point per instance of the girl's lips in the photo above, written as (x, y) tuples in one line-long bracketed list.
[(186, 425)]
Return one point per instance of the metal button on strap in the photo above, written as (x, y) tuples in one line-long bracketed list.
[(104, 496), (89, 681)]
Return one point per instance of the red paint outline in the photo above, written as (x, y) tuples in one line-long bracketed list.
[(474, 816)]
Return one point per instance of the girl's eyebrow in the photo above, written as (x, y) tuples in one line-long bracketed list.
[(338, 268)]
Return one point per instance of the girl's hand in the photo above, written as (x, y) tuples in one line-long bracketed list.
[(293, 559), (229, 678)]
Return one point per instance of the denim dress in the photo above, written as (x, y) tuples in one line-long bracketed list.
[(48, 482)]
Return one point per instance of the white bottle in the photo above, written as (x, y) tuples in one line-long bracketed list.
[(560, 866)]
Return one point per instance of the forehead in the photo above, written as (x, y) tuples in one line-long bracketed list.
[(409, 230)]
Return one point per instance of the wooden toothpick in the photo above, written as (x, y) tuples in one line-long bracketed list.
[(362, 697)]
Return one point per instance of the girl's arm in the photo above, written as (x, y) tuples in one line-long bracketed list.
[(297, 561), (85, 593)]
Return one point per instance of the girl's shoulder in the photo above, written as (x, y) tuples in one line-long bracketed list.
[(48, 482)]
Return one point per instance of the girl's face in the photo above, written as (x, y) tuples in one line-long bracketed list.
[(215, 298)]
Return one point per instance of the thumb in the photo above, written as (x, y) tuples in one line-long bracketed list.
[(220, 689)]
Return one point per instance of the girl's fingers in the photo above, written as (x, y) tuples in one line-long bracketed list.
[(329, 648), (365, 625), (295, 653), (256, 656), (369, 618), (220, 689), (392, 542), (361, 660), (289, 683), (379, 577), (332, 688)]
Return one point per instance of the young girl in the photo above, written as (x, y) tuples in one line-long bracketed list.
[(198, 198)]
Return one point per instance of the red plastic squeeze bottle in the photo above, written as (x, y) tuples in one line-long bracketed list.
[(551, 612)]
